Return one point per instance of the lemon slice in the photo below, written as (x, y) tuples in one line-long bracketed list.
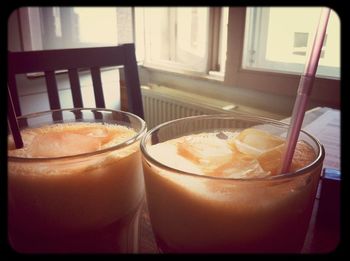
[(240, 166)]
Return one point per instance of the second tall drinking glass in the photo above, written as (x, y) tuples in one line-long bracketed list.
[(212, 185)]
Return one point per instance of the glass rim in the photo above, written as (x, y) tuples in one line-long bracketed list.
[(319, 157), (121, 145)]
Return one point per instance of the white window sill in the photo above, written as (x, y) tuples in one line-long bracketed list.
[(212, 76)]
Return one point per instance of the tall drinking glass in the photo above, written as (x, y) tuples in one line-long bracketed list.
[(212, 185), (77, 185)]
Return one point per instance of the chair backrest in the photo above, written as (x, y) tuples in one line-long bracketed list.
[(50, 61)]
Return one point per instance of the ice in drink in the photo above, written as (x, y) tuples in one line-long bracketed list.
[(221, 191), (78, 204)]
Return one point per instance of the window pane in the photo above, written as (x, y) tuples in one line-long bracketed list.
[(192, 30), (280, 39), (177, 37), (96, 25), (158, 32), (57, 21), (223, 39), (192, 37)]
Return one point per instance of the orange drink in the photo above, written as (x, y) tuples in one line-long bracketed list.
[(76, 186), (213, 185)]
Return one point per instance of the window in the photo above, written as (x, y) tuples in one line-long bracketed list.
[(192, 39), (76, 27), (246, 49), (279, 39)]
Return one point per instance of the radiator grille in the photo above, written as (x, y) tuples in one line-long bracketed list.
[(160, 107)]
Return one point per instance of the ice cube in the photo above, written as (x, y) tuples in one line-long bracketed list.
[(100, 132), (166, 153), (255, 142), (57, 144), (96, 132), (241, 166), (247, 149), (208, 151)]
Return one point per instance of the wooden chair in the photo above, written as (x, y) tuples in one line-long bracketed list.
[(51, 61)]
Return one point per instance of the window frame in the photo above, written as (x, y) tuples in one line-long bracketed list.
[(212, 70)]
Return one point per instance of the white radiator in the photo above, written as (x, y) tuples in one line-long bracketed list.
[(162, 104)]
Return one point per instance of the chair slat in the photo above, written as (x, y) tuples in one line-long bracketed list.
[(52, 90), (97, 83), (75, 88)]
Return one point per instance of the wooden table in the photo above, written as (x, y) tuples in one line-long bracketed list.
[(147, 241)]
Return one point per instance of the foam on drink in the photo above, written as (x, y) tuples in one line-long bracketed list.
[(59, 140), (250, 153), (68, 139)]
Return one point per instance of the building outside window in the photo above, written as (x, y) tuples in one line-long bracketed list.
[(279, 39)]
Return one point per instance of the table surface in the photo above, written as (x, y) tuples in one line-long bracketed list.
[(321, 237), (147, 241)]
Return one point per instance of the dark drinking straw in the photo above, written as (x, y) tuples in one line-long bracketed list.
[(304, 90), (16, 134)]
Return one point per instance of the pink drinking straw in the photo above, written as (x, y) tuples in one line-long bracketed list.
[(304, 90), (16, 134)]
